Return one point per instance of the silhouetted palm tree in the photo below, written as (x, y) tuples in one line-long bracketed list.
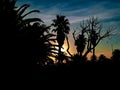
[(15, 28), (26, 42), (44, 49), (61, 25), (23, 22), (14, 17)]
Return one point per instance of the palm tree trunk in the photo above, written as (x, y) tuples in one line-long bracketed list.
[(59, 55)]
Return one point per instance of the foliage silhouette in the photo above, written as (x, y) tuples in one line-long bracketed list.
[(44, 47), (61, 25), (93, 58), (90, 36), (116, 56), (29, 40), (104, 60), (80, 42)]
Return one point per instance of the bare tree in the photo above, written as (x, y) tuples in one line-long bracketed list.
[(91, 31)]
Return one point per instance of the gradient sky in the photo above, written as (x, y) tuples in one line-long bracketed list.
[(108, 12)]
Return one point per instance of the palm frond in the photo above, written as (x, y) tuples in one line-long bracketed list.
[(22, 9)]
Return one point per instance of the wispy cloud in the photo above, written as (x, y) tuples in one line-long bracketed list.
[(77, 10)]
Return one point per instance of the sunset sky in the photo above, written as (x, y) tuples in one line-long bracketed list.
[(107, 11)]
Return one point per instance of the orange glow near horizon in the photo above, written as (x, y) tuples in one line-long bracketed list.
[(73, 51), (107, 54), (99, 49), (72, 48)]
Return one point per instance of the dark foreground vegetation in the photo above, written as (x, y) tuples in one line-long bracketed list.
[(29, 45)]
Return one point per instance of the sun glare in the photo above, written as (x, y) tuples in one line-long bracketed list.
[(62, 49)]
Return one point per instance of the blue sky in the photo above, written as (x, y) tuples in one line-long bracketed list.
[(77, 10), (108, 12)]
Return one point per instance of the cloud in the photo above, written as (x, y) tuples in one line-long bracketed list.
[(46, 18), (77, 10)]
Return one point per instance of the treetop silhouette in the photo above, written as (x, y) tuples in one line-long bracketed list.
[(61, 25), (90, 36)]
